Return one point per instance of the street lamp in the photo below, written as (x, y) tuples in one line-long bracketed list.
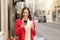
[(15, 1)]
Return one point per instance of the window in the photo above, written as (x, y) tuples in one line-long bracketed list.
[(0, 15)]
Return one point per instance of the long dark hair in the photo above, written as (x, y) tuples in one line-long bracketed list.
[(29, 16)]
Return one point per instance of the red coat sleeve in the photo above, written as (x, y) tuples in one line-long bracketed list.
[(17, 27), (34, 31)]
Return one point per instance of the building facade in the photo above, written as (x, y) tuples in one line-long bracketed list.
[(4, 18)]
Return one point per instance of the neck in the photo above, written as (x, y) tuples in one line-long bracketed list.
[(26, 18)]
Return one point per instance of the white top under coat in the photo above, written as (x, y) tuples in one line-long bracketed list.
[(28, 30)]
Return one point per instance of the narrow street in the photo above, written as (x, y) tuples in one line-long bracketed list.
[(49, 31)]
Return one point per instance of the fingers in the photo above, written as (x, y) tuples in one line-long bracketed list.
[(22, 26)]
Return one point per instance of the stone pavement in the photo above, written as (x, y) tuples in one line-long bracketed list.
[(39, 38)]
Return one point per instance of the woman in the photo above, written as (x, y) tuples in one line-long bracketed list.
[(25, 26)]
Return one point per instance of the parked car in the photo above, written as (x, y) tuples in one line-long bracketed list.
[(42, 19)]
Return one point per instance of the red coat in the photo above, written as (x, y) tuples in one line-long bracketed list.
[(21, 31)]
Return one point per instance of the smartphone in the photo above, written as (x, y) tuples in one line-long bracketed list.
[(25, 21)]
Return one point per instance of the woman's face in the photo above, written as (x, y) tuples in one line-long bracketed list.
[(25, 13)]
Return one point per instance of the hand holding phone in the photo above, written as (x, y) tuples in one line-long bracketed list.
[(25, 21), (22, 26)]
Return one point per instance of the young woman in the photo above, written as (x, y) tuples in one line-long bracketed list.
[(25, 26)]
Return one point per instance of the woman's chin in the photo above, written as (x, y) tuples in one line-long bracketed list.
[(25, 17)]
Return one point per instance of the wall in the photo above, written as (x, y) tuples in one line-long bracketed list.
[(4, 18)]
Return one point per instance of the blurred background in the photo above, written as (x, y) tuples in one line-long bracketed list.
[(46, 14)]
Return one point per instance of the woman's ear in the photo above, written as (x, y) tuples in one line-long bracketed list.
[(28, 15)]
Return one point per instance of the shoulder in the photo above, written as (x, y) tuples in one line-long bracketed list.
[(33, 20), (18, 20)]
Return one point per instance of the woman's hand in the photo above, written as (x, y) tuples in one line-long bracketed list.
[(22, 26), (32, 26)]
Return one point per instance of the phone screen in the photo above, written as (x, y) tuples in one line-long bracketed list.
[(25, 21)]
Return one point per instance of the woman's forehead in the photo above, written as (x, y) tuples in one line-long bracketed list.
[(25, 10)]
